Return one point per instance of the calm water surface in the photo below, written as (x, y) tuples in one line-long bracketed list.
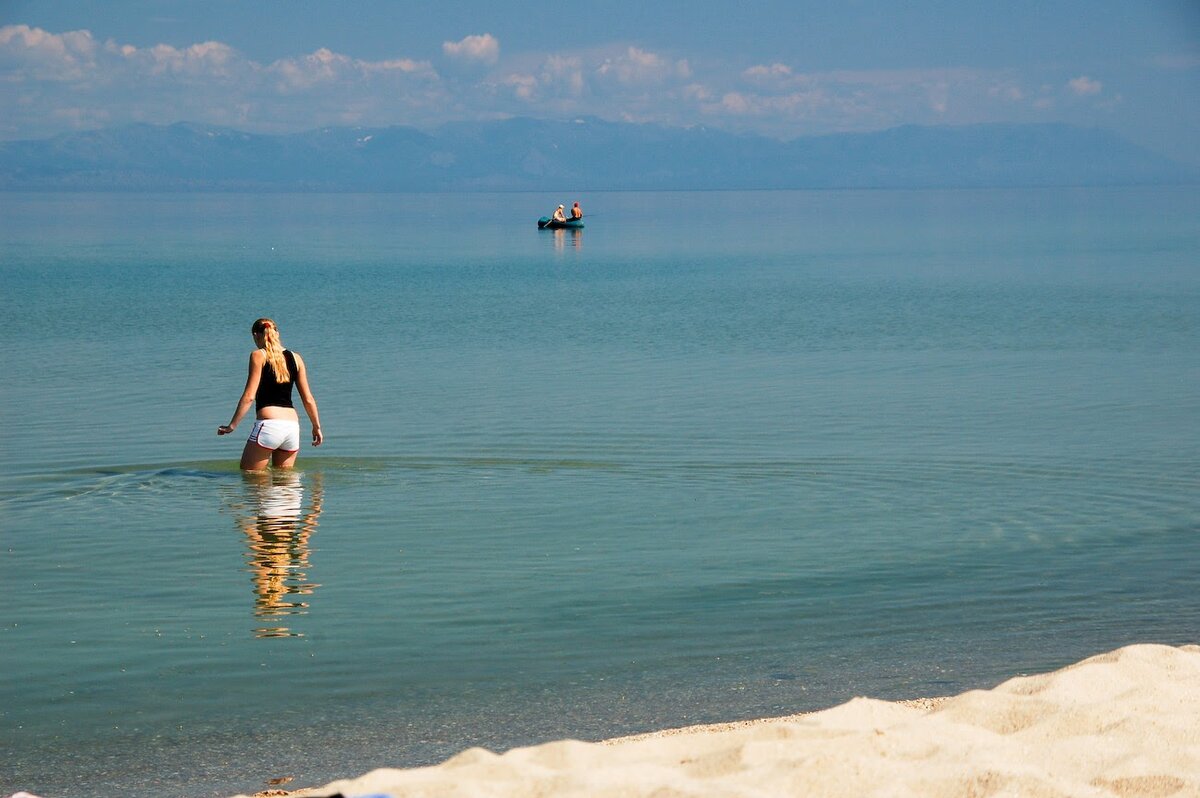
[(718, 455)]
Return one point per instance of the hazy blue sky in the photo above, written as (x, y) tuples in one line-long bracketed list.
[(786, 69)]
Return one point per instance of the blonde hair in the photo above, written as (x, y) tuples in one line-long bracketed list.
[(274, 348)]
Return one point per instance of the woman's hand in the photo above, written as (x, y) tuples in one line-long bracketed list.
[(317, 436), (224, 429)]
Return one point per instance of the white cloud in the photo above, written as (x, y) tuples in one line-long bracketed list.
[(55, 81), (565, 73), (763, 71), (483, 49), (325, 67), (207, 59), (321, 66), (404, 65), (524, 87), (776, 100), (792, 104), (736, 103), (767, 73), (1084, 86), (37, 54), (635, 65)]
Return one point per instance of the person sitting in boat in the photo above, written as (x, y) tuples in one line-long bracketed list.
[(558, 215), (576, 212)]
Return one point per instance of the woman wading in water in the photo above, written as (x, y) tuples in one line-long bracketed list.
[(274, 370)]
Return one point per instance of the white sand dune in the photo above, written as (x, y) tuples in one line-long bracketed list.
[(1123, 724)]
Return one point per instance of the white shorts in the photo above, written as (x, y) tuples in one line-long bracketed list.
[(276, 433)]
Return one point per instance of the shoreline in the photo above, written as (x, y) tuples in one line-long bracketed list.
[(1125, 723), (923, 704)]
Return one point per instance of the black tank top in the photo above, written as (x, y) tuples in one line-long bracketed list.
[(272, 393)]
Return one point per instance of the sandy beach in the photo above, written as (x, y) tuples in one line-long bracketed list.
[(1125, 723)]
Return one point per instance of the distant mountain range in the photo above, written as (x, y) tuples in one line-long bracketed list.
[(579, 155)]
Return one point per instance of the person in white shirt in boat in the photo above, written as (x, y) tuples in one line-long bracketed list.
[(558, 215)]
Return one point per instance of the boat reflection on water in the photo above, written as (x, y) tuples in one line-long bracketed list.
[(561, 236), (278, 520)]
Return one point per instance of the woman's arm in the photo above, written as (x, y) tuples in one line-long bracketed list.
[(257, 358), (310, 402)]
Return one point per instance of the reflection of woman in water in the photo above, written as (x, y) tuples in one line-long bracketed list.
[(275, 437), (277, 528)]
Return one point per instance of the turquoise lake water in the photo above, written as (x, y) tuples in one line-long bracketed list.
[(716, 456)]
